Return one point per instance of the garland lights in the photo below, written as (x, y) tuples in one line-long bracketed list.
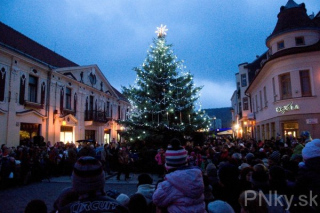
[(163, 95)]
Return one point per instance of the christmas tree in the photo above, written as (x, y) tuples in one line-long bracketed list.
[(163, 97)]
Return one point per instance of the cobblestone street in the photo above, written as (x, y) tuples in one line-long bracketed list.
[(15, 199)]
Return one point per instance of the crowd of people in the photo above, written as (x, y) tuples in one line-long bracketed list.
[(220, 175)]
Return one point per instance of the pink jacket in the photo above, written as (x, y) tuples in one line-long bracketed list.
[(182, 191)]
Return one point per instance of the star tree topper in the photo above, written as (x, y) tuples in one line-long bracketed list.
[(161, 31)]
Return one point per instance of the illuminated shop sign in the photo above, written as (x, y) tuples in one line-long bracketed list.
[(288, 107)]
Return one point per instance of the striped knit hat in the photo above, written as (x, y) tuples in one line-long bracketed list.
[(176, 156), (88, 175)]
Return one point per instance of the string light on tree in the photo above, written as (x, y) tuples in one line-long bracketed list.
[(164, 95)]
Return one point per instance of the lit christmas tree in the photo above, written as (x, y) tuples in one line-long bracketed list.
[(163, 97)]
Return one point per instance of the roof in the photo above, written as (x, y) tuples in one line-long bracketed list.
[(293, 17), (20, 43), (120, 95)]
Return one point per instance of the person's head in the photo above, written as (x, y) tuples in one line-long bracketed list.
[(176, 156), (228, 174), (219, 206), (144, 179), (137, 204), (252, 201), (274, 158), (123, 199), (311, 150), (88, 175), (37, 206)]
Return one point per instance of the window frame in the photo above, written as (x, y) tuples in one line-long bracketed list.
[(299, 43), (285, 81), (68, 98), (33, 89), (305, 93), (280, 45)]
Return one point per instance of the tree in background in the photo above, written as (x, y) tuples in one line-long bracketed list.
[(163, 97)]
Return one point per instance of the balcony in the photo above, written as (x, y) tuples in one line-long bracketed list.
[(33, 105), (97, 116)]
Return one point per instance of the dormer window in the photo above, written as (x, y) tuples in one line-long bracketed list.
[(299, 41), (280, 45)]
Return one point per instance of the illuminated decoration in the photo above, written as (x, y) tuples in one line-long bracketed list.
[(288, 107), (164, 98), (161, 31), (64, 123)]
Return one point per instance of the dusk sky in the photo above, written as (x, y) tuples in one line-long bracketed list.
[(212, 37)]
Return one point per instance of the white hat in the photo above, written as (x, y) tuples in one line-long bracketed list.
[(311, 150), (123, 199)]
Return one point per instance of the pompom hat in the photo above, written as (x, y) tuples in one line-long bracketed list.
[(176, 156), (88, 175), (311, 150)]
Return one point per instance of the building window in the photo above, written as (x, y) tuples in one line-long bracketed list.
[(108, 109), (274, 90), (240, 107), (2, 83), (260, 94), (299, 41), (265, 96), (119, 113), (285, 86), (243, 80), (253, 105), (257, 107), (61, 100), (305, 83), (280, 45), (43, 93), (68, 98), (75, 103), (22, 89), (245, 103), (33, 84)]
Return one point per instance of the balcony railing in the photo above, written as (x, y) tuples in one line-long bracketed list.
[(98, 116)]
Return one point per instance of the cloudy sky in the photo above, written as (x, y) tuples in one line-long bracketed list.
[(212, 37)]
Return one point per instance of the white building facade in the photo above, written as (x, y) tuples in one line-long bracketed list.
[(284, 91), (44, 96)]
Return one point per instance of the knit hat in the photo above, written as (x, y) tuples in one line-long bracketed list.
[(311, 150), (275, 156), (123, 199), (176, 156), (87, 175), (219, 206)]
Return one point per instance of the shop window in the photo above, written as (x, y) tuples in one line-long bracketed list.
[(285, 86), (2, 83), (90, 134), (33, 89), (305, 83)]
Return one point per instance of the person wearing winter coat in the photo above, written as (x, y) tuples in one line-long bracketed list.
[(182, 189)]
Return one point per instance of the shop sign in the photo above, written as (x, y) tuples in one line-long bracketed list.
[(288, 107), (312, 121)]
